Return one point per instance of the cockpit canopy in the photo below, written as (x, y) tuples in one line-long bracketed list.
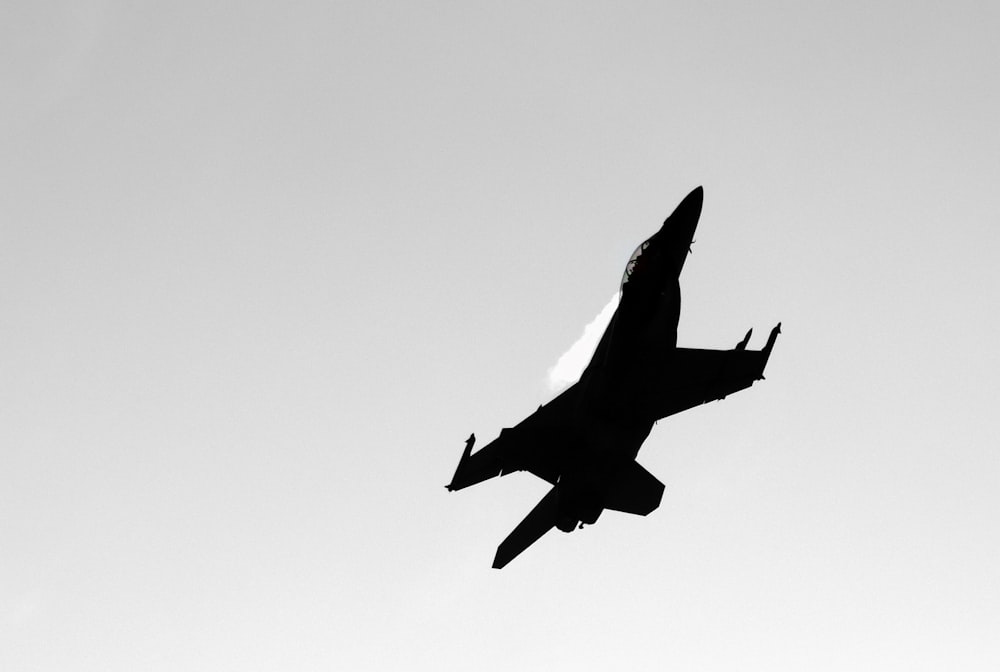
[(633, 265)]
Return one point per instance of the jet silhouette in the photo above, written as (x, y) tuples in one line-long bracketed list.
[(585, 441)]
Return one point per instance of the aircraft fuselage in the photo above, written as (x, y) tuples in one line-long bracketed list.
[(585, 441), (631, 357)]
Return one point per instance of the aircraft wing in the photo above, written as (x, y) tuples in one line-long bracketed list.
[(699, 376), (532, 445)]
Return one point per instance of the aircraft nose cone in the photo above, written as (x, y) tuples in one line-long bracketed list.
[(682, 221), (692, 202), (677, 231)]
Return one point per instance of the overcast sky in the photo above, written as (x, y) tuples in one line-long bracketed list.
[(264, 266)]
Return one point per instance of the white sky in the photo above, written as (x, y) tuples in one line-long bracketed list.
[(570, 365), (264, 267)]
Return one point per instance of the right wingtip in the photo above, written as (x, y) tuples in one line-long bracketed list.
[(770, 346), (774, 335)]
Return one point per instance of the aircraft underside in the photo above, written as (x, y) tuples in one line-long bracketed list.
[(585, 441)]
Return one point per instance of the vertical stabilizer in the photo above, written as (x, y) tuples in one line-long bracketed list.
[(541, 519)]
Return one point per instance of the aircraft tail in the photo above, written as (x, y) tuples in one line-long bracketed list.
[(541, 519), (634, 490)]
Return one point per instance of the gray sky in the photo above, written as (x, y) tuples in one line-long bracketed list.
[(264, 267)]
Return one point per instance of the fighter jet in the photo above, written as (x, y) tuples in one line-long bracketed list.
[(585, 441)]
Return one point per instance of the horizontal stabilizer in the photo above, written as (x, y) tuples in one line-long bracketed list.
[(541, 519), (634, 490)]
